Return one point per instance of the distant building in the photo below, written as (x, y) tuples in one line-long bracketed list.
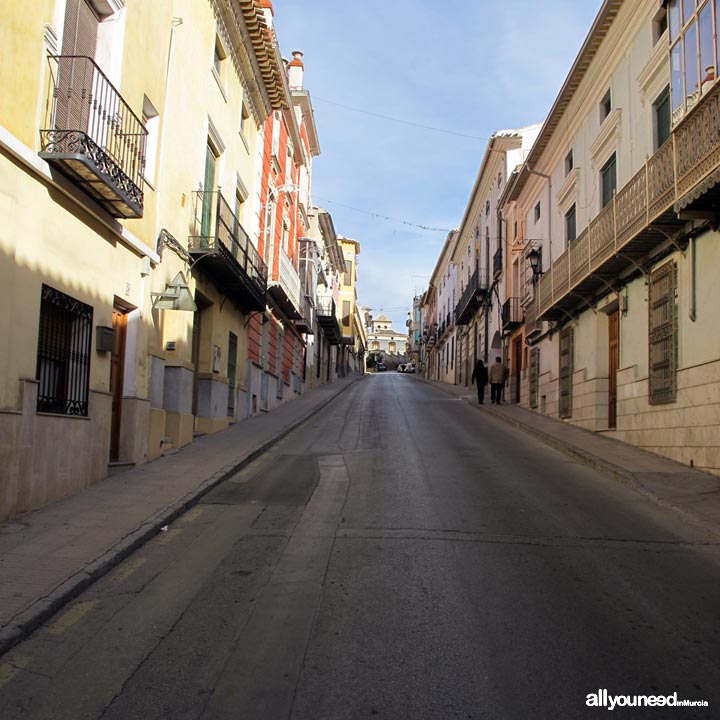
[(382, 337)]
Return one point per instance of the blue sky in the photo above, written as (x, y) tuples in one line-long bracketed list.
[(469, 67)]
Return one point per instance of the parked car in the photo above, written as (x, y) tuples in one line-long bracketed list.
[(381, 367), (401, 367)]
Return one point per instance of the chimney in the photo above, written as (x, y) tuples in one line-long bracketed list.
[(269, 12), (295, 71)]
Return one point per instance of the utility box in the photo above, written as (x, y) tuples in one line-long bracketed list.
[(104, 338)]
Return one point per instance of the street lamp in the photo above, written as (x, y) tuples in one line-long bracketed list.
[(535, 259)]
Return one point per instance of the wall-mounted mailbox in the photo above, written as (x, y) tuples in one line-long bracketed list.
[(104, 338)]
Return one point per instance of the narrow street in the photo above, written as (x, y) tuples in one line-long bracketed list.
[(402, 555)]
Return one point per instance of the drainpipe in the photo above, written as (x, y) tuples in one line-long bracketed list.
[(693, 280)]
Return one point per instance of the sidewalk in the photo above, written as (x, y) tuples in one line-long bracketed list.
[(691, 493), (49, 556)]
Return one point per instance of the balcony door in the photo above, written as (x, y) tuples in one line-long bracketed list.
[(80, 34), (211, 159)]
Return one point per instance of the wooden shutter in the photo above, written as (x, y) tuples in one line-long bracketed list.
[(534, 376), (662, 344), (79, 38), (567, 351)]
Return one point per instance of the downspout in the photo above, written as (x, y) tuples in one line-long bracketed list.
[(693, 280)]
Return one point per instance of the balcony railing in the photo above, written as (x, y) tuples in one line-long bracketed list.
[(306, 323), (497, 263), (684, 174), (512, 314), (229, 258), (285, 287), (90, 134), (470, 299), (328, 321)]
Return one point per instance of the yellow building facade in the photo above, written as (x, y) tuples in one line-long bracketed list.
[(129, 187)]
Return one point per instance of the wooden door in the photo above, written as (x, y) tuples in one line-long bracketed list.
[(613, 365), (117, 370)]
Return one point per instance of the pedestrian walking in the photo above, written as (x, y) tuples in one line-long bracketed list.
[(498, 376), (480, 378)]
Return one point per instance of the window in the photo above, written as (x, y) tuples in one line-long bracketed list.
[(392, 347), (693, 51), (151, 121), (569, 165), (661, 118), (605, 106), (662, 345), (375, 345), (608, 177), (347, 280), (537, 212), (346, 313), (659, 24), (63, 356), (570, 225), (219, 57), (244, 117)]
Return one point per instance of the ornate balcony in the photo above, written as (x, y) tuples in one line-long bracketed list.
[(328, 321), (91, 135), (682, 177), (284, 286), (471, 297), (512, 314), (222, 250)]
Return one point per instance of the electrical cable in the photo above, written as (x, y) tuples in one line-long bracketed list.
[(402, 122), (383, 217)]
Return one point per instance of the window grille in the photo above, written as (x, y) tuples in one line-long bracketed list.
[(567, 351), (534, 376), (63, 359), (662, 325)]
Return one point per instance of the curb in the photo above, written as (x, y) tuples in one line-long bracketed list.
[(45, 607)]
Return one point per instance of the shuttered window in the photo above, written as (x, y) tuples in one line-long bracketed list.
[(662, 346), (534, 376), (567, 351)]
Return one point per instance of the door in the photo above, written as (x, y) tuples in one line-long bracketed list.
[(75, 78), (117, 371), (207, 196), (232, 373), (613, 365)]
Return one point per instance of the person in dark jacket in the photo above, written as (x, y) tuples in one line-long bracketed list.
[(480, 378)]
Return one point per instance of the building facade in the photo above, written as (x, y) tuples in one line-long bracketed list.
[(137, 259)]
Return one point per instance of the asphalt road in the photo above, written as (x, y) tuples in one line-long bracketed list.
[(402, 555)]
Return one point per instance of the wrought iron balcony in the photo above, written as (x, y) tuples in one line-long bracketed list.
[(284, 286), (497, 263), (471, 297), (328, 321), (91, 135), (306, 323), (224, 252), (682, 176), (511, 313)]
